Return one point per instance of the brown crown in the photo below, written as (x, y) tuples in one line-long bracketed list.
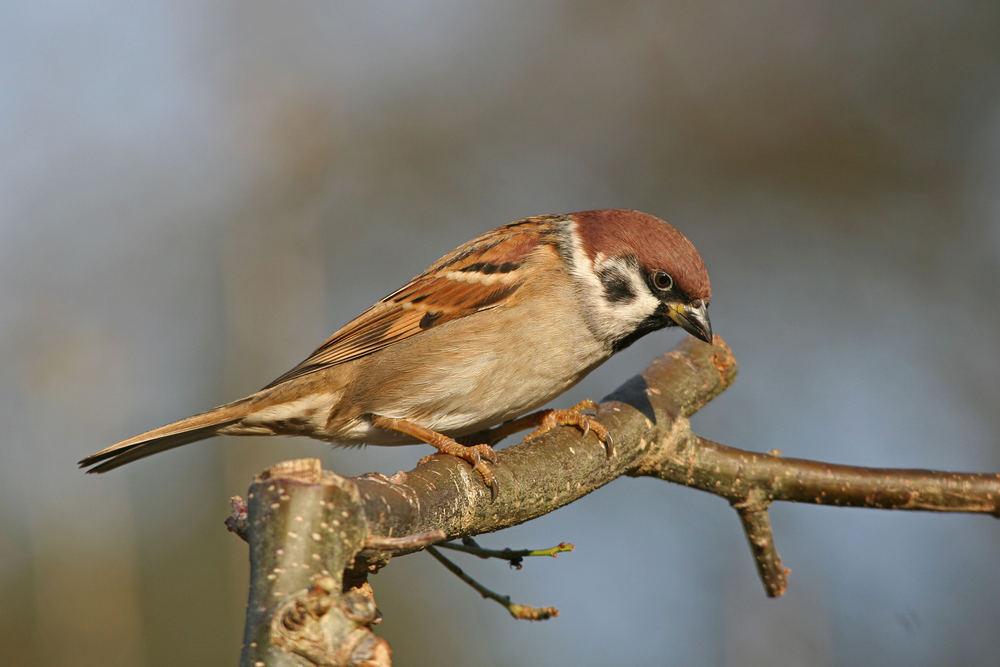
[(656, 243)]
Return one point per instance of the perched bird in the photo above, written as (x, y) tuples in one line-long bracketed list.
[(491, 331)]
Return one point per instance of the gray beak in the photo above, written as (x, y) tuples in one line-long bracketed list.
[(693, 318)]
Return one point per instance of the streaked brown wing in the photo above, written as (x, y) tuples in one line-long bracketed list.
[(478, 275)]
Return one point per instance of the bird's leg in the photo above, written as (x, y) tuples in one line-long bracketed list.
[(546, 420), (474, 454)]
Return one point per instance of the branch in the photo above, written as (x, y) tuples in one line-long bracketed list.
[(309, 527), (752, 481), (703, 464)]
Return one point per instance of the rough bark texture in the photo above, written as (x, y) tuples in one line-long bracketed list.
[(303, 531), (313, 533)]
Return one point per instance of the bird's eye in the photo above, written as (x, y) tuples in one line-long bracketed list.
[(662, 281)]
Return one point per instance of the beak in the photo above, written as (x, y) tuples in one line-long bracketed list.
[(693, 318)]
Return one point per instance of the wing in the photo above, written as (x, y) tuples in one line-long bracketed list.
[(481, 274)]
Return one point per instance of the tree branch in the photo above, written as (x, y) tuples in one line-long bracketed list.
[(313, 533), (702, 464)]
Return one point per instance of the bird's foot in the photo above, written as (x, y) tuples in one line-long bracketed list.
[(476, 455), (549, 419)]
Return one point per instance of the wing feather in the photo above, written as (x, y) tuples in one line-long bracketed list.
[(478, 275)]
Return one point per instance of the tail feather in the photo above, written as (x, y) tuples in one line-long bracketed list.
[(198, 427)]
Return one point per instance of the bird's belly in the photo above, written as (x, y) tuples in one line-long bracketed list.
[(456, 399)]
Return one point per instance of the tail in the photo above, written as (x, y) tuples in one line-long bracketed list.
[(198, 427)]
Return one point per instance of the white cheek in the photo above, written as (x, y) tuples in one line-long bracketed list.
[(630, 313), (611, 320), (620, 318)]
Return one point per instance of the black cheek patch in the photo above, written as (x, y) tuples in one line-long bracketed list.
[(617, 288)]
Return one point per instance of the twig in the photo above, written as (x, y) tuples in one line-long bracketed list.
[(514, 556), (237, 521), (518, 611)]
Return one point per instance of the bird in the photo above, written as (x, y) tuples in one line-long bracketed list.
[(476, 344)]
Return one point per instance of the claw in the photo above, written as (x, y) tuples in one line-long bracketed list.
[(486, 452), (477, 456), (609, 445), (486, 473)]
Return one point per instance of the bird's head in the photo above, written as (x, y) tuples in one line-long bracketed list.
[(641, 275)]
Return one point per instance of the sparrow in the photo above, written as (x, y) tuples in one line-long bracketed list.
[(489, 333)]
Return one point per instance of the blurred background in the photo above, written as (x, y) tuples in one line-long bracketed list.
[(194, 195)]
